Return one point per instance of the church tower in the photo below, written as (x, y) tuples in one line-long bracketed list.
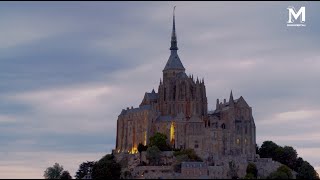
[(179, 93)]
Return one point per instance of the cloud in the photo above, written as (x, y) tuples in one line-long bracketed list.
[(66, 71), (22, 164)]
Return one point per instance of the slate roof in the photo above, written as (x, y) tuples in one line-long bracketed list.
[(174, 62), (134, 110), (193, 164)]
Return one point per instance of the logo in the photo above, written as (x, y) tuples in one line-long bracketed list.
[(294, 15)]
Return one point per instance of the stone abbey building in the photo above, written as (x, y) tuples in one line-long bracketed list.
[(179, 109)]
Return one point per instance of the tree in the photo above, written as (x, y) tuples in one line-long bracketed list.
[(179, 159), (233, 170), (249, 176), (268, 149), (84, 169), (306, 171), (252, 169), (106, 168), (298, 164), (153, 154), (141, 148), (283, 172), (191, 154), (257, 149), (159, 140), (65, 175), (286, 155), (53, 172)]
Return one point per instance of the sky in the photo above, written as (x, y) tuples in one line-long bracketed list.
[(67, 69)]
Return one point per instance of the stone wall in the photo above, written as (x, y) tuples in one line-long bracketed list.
[(153, 172), (266, 166)]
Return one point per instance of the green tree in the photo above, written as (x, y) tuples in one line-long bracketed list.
[(306, 171), (84, 169), (283, 172), (106, 168), (153, 154), (298, 164), (65, 175), (268, 149), (252, 169), (233, 170), (191, 154), (179, 159), (249, 176), (141, 148), (53, 172), (286, 155), (159, 140)]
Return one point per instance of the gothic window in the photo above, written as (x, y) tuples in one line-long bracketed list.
[(223, 126), (245, 129), (238, 141), (196, 146), (245, 141)]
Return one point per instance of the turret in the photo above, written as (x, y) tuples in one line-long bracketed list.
[(231, 102)]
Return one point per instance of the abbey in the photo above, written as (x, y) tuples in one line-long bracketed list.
[(179, 109)]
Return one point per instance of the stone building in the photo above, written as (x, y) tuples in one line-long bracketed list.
[(179, 109)]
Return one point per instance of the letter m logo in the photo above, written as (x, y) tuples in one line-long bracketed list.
[(301, 13)]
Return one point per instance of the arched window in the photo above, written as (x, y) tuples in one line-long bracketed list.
[(238, 141), (223, 126)]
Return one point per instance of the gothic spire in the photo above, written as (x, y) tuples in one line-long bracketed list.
[(231, 98), (173, 34), (174, 62)]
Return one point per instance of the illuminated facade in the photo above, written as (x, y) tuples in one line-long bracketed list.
[(180, 111)]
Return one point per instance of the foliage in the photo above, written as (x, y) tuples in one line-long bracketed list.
[(159, 140), (153, 154), (288, 156), (233, 170), (126, 175), (179, 159), (283, 172), (65, 175), (257, 149), (249, 176), (192, 156), (142, 147), (84, 169), (306, 171), (106, 168), (53, 172), (267, 149), (252, 170)]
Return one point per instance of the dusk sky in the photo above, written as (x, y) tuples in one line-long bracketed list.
[(67, 69)]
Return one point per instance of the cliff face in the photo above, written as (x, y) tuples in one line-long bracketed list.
[(220, 168)]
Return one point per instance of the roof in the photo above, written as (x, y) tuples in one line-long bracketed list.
[(165, 118), (174, 62), (152, 96), (193, 164), (134, 110)]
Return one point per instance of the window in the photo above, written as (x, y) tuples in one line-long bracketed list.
[(223, 126), (238, 141), (196, 146), (245, 141)]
